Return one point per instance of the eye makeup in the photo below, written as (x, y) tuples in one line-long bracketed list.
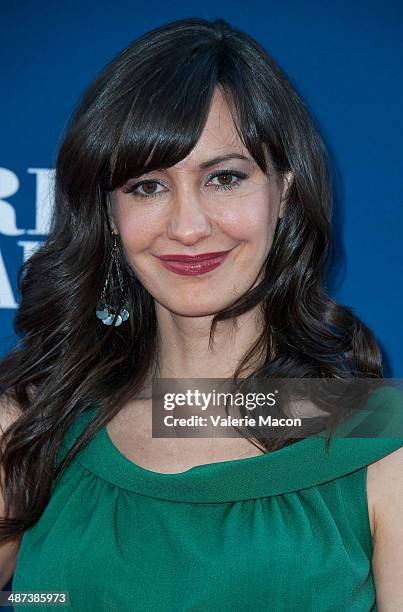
[(237, 174)]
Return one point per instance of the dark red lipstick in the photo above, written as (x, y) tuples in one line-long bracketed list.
[(192, 265)]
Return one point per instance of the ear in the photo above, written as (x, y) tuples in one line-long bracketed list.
[(110, 214), (287, 182)]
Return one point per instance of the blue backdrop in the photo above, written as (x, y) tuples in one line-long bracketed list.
[(344, 58)]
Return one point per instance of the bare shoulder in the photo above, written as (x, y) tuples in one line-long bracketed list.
[(385, 497), (9, 412), (385, 488)]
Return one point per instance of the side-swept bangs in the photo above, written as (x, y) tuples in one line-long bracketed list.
[(167, 103)]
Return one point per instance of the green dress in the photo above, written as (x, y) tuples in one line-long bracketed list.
[(283, 531)]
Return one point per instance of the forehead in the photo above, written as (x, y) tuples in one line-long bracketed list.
[(218, 137)]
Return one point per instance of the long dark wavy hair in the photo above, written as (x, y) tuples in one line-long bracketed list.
[(146, 110)]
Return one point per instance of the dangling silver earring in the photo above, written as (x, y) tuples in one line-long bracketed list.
[(105, 312)]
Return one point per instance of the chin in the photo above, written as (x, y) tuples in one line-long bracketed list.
[(194, 308)]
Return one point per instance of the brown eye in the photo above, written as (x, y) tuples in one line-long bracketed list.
[(148, 189), (226, 177)]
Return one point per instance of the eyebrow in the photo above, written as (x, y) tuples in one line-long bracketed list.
[(212, 162), (221, 158)]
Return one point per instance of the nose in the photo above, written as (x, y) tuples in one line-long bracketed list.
[(188, 221)]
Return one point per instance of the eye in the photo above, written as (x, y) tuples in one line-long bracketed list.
[(146, 185), (226, 175)]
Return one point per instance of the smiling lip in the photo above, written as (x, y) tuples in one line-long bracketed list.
[(193, 258), (193, 266)]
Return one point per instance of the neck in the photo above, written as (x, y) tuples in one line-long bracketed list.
[(184, 351)]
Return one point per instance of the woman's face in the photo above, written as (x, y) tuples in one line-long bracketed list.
[(189, 209)]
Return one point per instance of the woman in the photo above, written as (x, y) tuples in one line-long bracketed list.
[(190, 142)]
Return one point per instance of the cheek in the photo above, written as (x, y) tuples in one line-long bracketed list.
[(254, 223), (252, 220), (138, 232)]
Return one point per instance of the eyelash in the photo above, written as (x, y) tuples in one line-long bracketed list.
[(238, 174)]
